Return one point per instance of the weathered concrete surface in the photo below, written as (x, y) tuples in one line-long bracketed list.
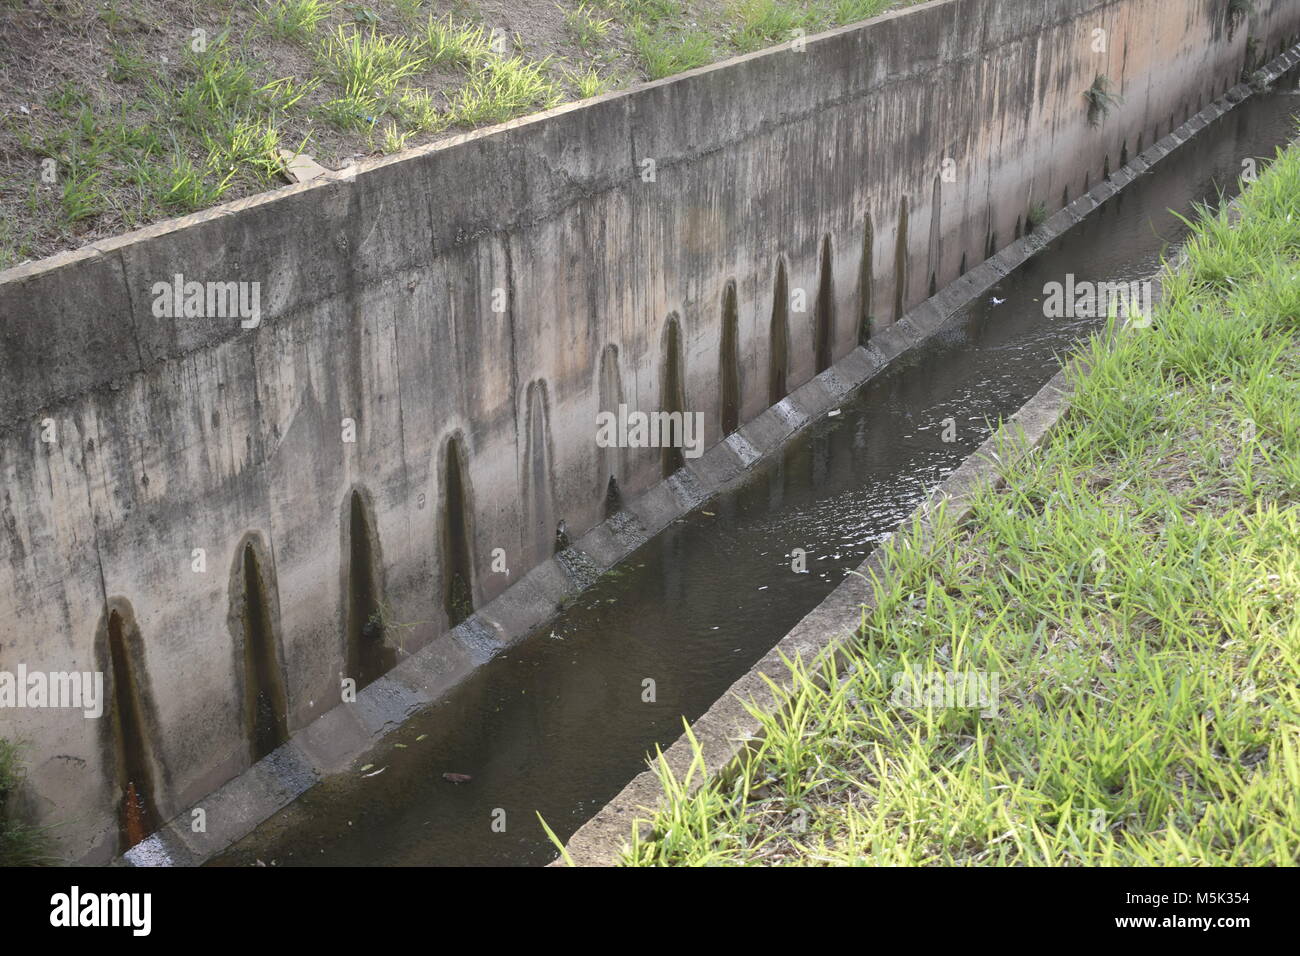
[(377, 291)]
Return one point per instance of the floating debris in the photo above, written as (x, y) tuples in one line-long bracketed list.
[(457, 778)]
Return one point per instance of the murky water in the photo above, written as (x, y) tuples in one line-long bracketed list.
[(558, 725)]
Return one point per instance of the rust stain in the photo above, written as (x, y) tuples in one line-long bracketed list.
[(133, 809)]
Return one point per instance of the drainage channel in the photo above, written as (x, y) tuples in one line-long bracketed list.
[(558, 724)]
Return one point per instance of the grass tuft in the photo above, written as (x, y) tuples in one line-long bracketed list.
[(366, 61), (587, 29), (502, 88), (666, 51), (294, 20), (20, 844), (764, 23), (455, 44)]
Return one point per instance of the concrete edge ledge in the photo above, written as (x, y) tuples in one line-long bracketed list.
[(345, 733)]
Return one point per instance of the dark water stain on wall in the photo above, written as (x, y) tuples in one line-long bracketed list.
[(612, 461), (824, 334), (613, 497), (900, 262), (368, 654), (456, 534), (779, 337), (865, 320), (538, 468), (129, 724), (254, 622), (936, 235), (672, 390), (729, 361)]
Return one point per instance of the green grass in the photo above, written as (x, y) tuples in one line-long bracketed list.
[(353, 110), (665, 50), (229, 119), (1037, 214), (82, 193), (764, 23), (587, 29), (184, 186), (419, 113), (15, 245), (295, 20), (853, 11), (20, 843), (220, 82), (647, 11), (1134, 586), (128, 64), (393, 139), (409, 10), (590, 82), (455, 44), (668, 39), (502, 88), (1101, 99), (370, 69), (369, 61)]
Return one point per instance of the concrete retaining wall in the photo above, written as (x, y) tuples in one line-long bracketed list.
[(468, 293)]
